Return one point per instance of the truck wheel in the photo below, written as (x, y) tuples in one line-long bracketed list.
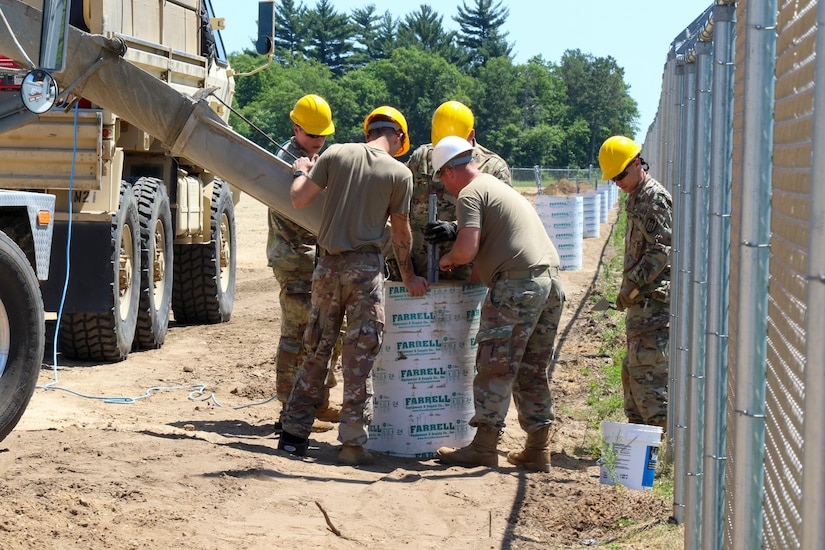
[(107, 337), (22, 333), (156, 254), (204, 279)]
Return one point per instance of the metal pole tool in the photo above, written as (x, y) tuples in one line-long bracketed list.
[(432, 249)]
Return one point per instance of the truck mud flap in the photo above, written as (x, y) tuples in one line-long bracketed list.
[(91, 279)]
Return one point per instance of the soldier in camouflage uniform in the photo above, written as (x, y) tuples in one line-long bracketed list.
[(364, 187), (452, 118), (645, 291), (290, 250), (517, 261)]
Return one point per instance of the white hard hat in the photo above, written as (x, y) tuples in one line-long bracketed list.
[(450, 150)]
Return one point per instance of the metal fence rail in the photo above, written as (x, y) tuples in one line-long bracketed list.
[(739, 143)]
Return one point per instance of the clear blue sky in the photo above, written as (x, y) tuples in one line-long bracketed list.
[(636, 33)]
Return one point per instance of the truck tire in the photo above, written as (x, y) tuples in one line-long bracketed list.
[(22, 333), (204, 279), (156, 260), (107, 337)]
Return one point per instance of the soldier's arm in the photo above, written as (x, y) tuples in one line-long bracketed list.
[(656, 228), (303, 190), (402, 246), (504, 174), (464, 250), (498, 167)]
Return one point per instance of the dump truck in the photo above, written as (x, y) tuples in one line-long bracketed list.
[(143, 164)]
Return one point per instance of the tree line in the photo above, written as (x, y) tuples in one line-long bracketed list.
[(538, 113)]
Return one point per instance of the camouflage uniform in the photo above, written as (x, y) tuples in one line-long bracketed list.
[(420, 164), (364, 186), (517, 331), (290, 250), (521, 312), (647, 267), (351, 284)]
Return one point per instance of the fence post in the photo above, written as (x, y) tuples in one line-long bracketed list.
[(537, 173)]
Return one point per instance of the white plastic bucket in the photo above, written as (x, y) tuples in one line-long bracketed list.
[(423, 375), (629, 454)]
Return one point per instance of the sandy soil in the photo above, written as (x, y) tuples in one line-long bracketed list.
[(174, 448)]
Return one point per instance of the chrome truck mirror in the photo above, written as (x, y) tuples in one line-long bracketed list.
[(38, 91)]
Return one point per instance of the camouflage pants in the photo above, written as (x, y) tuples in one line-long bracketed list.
[(351, 286), (645, 378), (295, 301), (516, 335)]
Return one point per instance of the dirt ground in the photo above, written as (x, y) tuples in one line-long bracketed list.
[(173, 448)]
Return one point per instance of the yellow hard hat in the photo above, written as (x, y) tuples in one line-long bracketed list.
[(452, 118), (312, 113), (615, 154), (385, 114)]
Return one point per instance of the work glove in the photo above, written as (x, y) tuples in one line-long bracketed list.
[(627, 296), (440, 232)]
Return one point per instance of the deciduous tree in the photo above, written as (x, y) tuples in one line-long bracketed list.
[(598, 95)]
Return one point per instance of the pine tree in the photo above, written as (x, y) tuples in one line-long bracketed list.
[(481, 31), (290, 31), (330, 37)]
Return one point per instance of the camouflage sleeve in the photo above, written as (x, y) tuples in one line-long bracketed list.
[(656, 226), (491, 163), (503, 173), (414, 162), (419, 164)]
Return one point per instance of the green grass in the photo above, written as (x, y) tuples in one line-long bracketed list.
[(663, 483), (605, 399), (605, 396), (525, 184)]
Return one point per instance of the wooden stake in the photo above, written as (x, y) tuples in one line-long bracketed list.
[(326, 517)]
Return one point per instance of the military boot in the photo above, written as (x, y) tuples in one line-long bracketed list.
[(328, 412), (293, 444), (481, 452), (320, 426), (354, 455), (536, 453)]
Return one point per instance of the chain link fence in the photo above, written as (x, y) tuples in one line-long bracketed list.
[(739, 143), (557, 181)]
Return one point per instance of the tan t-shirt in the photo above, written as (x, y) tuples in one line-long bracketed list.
[(512, 235), (364, 185)]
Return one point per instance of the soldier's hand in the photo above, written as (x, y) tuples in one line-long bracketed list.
[(627, 296), (440, 232), (417, 286)]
